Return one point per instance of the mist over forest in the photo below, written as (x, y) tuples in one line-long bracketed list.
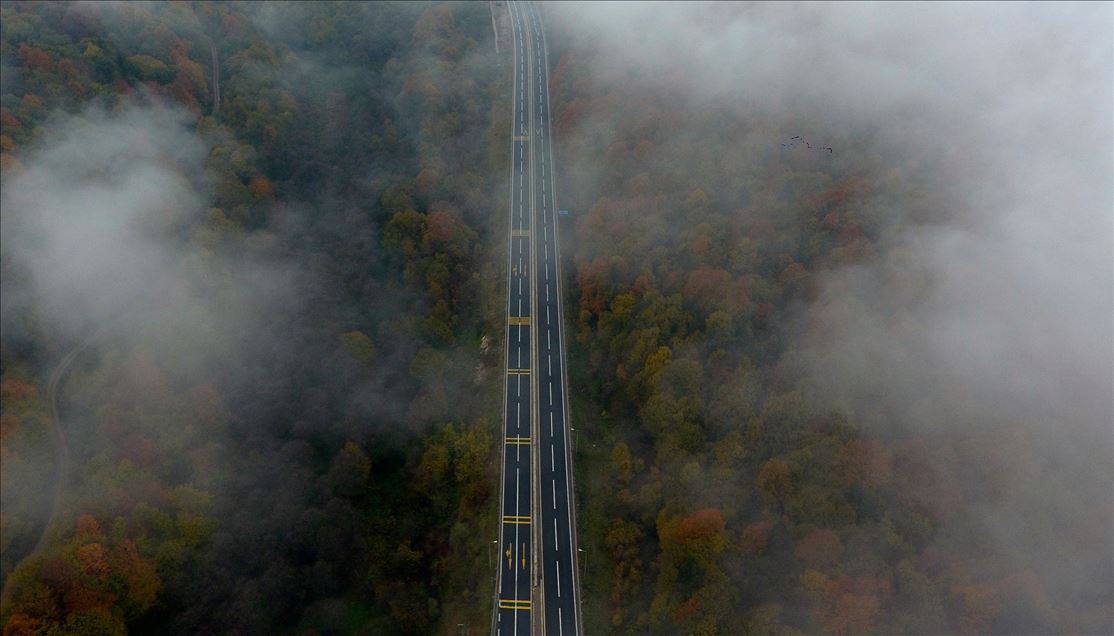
[(860, 390)]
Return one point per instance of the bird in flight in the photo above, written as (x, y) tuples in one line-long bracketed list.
[(797, 139)]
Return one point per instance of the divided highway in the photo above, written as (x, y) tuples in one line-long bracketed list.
[(538, 528)]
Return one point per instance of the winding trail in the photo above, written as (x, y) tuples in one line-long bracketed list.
[(62, 465)]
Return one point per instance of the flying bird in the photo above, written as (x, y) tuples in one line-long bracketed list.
[(796, 139)]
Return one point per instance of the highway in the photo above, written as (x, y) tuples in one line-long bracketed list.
[(513, 610), (538, 528)]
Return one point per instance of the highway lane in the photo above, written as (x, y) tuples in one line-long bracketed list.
[(513, 589), (556, 516)]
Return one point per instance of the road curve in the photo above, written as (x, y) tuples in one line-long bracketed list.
[(62, 465)]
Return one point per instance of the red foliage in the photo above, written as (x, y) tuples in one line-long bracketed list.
[(687, 609), (443, 225), (16, 390), (34, 57), (755, 537), (707, 284), (8, 119), (231, 23), (182, 90)]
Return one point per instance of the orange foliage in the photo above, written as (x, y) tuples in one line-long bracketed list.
[(92, 558), (261, 187), (7, 144), (32, 100), (20, 624), (701, 526), (143, 582), (88, 528)]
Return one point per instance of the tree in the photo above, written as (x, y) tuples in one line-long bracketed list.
[(775, 480), (820, 549)]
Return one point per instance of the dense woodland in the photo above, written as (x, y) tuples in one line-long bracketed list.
[(721, 492), (291, 425), (293, 431)]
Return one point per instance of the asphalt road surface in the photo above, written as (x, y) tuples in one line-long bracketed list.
[(538, 529)]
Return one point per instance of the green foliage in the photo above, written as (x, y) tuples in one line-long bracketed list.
[(277, 484), (753, 503)]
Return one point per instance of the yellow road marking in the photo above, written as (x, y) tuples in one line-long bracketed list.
[(521, 138), (511, 371), (520, 233), (518, 440), (514, 603), (520, 320), (516, 519), (509, 562), (523, 553)]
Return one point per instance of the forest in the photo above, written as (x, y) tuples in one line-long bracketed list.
[(253, 255), (770, 439), (281, 414)]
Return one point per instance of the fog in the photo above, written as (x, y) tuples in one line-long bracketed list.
[(1018, 308), (991, 314)]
